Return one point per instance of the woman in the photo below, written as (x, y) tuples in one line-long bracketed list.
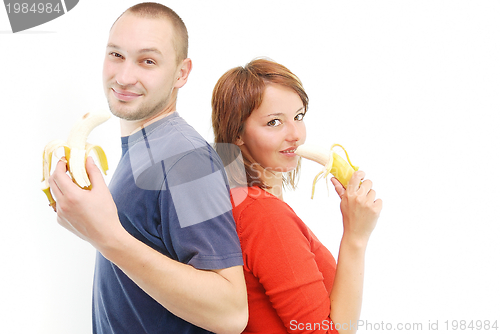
[(294, 284)]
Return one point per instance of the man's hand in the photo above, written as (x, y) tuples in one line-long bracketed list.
[(89, 214)]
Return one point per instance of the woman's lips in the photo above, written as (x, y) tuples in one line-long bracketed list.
[(289, 152), (125, 95)]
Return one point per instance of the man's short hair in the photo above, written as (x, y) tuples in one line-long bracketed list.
[(155, 10)]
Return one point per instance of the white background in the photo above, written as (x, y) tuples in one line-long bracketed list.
[(410, 88)]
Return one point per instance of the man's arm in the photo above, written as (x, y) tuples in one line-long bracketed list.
[(212, 299)]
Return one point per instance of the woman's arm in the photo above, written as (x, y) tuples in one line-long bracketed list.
[(360, 212)]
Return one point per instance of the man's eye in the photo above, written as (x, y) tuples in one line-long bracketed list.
[(116, 54), (274, 122), (149, 62)]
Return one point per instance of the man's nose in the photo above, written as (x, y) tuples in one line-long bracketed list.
[(126, 74)]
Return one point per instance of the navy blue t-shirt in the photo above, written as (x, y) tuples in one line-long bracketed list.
[(171, 193)]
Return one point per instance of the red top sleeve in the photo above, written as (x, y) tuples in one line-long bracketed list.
[(289, 273)]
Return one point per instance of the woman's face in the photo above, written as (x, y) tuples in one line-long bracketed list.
[(273, 131)]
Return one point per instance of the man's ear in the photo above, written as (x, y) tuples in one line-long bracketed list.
[(183, 73)]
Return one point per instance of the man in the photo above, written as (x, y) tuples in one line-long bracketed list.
[(168, 257)]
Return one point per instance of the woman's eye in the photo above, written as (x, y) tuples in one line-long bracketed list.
[(116, 54), (274, 122), (149, 62), (299, 117)]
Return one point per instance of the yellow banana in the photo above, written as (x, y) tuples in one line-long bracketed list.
[(76, 150), (332, 162)]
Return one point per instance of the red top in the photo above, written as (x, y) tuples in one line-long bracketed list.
[(288, 272)]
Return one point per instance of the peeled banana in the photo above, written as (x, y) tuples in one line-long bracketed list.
[(76, 150), (332, 162)]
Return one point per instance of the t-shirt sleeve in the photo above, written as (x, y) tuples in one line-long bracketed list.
[(196, 212), (277, 250)]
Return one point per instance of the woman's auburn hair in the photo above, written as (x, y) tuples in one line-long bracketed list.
[(237, 93)]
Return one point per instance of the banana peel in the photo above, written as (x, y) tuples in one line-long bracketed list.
[(332, 163), (76, 151)]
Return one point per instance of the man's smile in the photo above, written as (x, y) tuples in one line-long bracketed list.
[(124, 95)]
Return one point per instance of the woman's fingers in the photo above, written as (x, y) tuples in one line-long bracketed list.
[(354, 182), (370, 197), (365, 187), (339, 188)]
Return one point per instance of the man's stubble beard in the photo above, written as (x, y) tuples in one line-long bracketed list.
[(142, 111)]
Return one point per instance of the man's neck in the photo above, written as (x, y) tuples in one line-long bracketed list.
[(129, 127)]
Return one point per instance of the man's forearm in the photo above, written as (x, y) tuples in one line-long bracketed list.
[(214, 300)]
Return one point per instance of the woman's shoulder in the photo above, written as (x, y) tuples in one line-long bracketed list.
[(255, 198), (255, 209)]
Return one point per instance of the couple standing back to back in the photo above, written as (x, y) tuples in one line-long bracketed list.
[(169, 258)]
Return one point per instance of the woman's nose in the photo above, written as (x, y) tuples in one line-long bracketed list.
[(294, 132)]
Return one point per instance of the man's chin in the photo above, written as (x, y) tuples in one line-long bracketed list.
[(134, 111), (123, 112)]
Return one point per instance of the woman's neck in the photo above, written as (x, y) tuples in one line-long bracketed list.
[(275, 183)]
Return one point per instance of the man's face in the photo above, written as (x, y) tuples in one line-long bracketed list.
[(140, 69)]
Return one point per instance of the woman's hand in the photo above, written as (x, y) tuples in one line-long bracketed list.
[(359, 207)]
